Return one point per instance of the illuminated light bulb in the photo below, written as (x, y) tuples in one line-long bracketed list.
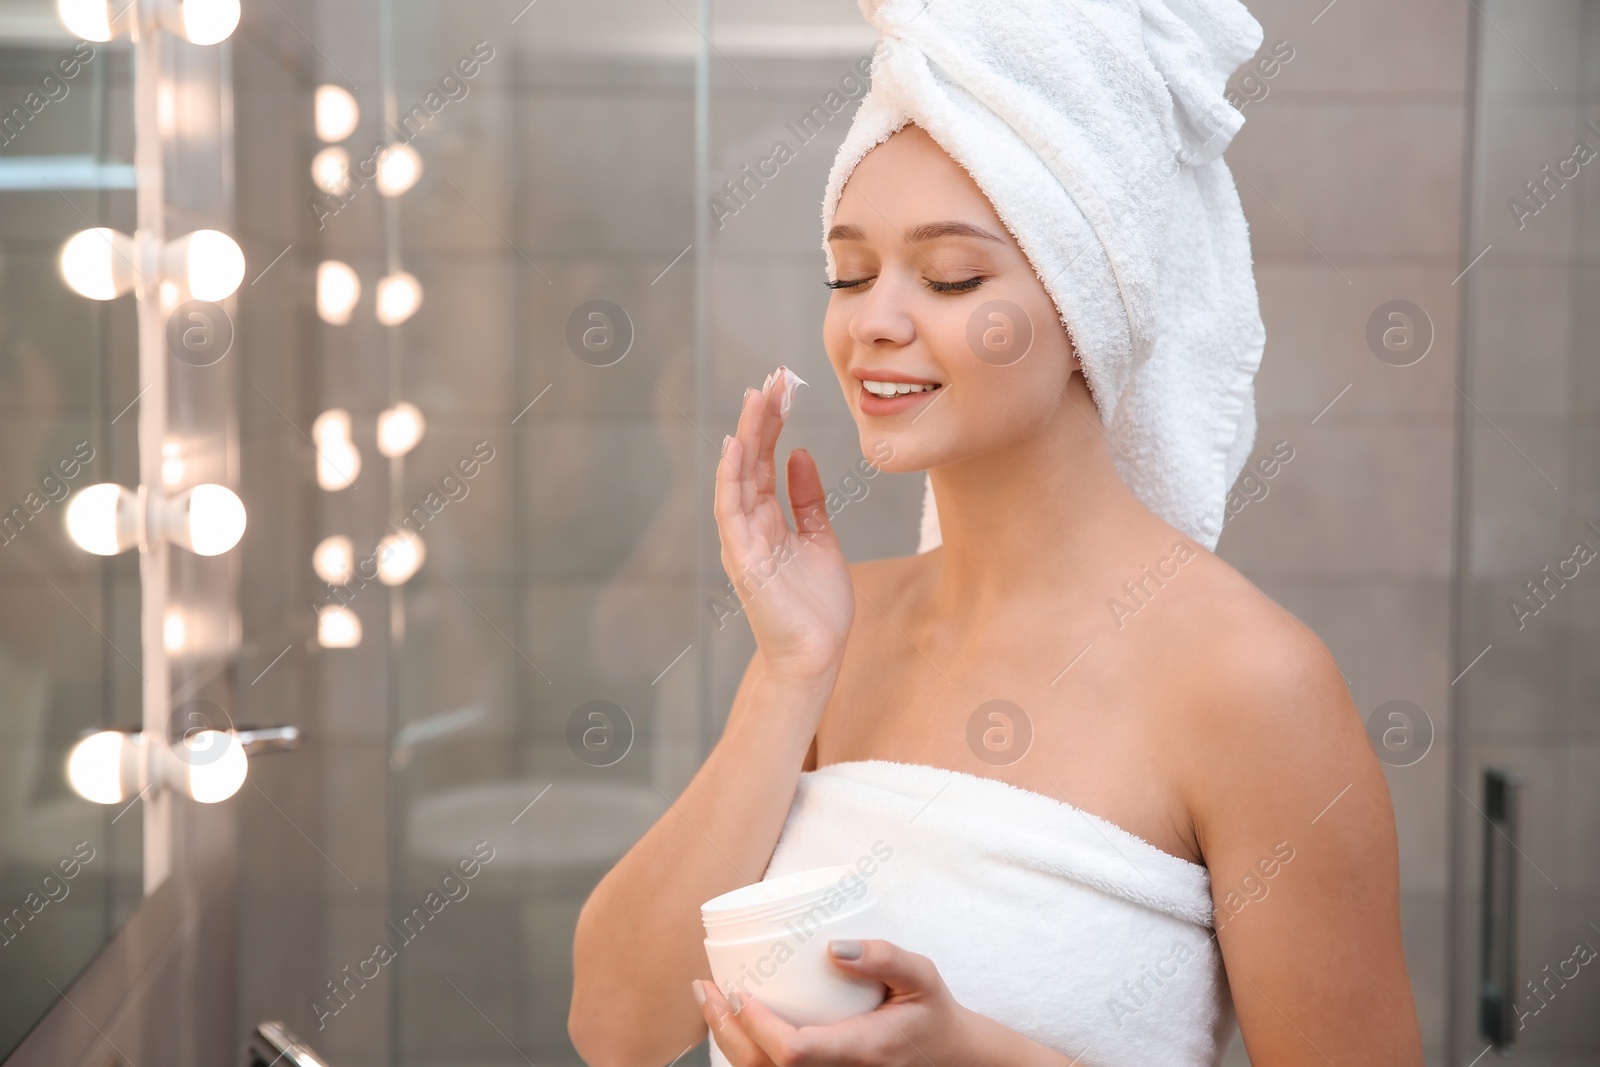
[(336, 113), (398, 169), (215, 764), (338, 627), (201, 21), (399, 557), (338, 289), (399, 429), (98, 263), (334, 559), (338, 465), (332, 427), (89, 19), (206, 519), (98, 766), (330, 171), (399, 296), (209, 263), (169, 296), (174, 632), (103, 519)]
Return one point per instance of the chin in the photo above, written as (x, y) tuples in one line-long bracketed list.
[(896, 452)]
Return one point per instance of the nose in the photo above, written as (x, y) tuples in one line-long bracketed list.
[(881, 318)]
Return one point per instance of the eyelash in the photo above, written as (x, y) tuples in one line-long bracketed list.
[(964, 286)]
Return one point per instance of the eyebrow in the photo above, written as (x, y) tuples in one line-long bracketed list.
[(928, 231)]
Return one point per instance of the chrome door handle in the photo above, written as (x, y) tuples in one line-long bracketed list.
[(273, 1043), (263, 740), (1497, 983)]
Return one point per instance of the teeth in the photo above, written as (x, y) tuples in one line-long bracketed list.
[(896, 388)]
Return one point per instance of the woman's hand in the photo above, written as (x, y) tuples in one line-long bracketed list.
[(794, 583), (919, 1023)]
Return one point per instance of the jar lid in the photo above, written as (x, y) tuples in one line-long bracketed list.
[(776, 897)]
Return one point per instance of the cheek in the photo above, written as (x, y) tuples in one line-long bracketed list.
[(836, 338)]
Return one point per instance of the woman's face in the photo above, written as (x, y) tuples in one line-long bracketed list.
[(932, 289)]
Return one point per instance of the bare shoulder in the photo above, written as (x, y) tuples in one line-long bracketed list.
[(1291, 811), (1268, 718)]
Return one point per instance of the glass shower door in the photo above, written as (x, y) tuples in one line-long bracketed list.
[(1527, 773)]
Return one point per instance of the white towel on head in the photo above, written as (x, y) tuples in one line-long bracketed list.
[(1053, 922), (1096, 129)]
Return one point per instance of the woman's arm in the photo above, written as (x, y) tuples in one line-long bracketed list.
[(638, 942), (639, 937), (1293, 816)]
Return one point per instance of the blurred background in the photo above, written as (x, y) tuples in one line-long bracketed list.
[(489, 280)]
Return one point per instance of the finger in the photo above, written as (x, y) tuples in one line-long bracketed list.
[(727, 1030), (900, 970), (727, 503), (771, 426), (749, 435), (773, 1038), (806, 496)]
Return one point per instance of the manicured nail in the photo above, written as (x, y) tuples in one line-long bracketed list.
[(725, 439), (699, 992), (845, 950), (737, 1000)]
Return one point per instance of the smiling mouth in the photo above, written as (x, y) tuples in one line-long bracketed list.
[(889, 390)]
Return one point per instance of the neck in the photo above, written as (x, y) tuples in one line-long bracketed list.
[(1039, 519)]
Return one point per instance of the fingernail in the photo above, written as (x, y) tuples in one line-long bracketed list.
[(737, 1000), (845, 950), (725, 439), (699, 992)]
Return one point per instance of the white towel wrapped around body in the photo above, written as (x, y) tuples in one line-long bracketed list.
[(1056, 923)]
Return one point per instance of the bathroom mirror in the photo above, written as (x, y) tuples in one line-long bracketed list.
[(70, 869)]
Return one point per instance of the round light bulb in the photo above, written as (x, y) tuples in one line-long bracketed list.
[(89, 19), (399, 429), (399, 557), (94, 767), (338, 289), (399, 296), (334, 559), (103, 519), (217, 764), (98, 263), (208, 21), (213, 264), (207, 519), (336, 113), (338, 627), (338, 465), (330, 171), (332, 427), (399, 167)]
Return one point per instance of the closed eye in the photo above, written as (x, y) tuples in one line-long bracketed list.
[(966, 285)]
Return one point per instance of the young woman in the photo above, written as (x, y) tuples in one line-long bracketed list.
[(1203, 733)]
